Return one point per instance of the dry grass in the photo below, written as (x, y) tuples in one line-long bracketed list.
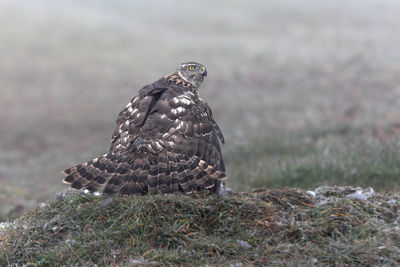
[(340, 226)]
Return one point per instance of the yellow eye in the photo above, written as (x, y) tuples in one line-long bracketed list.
[(191, 68)]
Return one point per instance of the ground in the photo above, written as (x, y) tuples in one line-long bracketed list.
[(338, 226)]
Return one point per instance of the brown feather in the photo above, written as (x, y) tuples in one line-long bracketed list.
[(165, 141)]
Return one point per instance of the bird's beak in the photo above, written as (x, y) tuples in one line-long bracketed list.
[(204, 73)]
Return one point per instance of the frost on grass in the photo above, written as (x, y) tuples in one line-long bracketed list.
[(327, 226), (4, 226), (325, 194)]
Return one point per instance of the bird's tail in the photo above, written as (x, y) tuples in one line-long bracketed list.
[(164, 172)]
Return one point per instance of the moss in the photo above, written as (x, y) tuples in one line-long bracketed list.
[(280, 227)]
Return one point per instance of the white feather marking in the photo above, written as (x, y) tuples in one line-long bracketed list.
[(183, 100), (138, 115), (180, 109), (174, 111), (199, 135), (164, 135), (171, 143), (176, 100), (159, 146), (186, 101), (85, 191), (97, 194), (127, 123), (135, 110), (129, 105), (135, 100), (183, 77), (130, 109), (162, 116), (189, 93), (125, 139), (181, 124)]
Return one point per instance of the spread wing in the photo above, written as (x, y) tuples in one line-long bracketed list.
[(173, 123), (191, 129), (165, 141)]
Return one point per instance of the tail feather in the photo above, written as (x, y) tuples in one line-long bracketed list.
[(94, 174), (164, 172), (186, 177), (160, 174), (173, 167), (133, 180), (152, 175)]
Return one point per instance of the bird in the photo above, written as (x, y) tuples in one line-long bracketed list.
[(166, 141)]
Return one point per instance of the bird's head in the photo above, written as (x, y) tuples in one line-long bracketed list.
[(192, 72)]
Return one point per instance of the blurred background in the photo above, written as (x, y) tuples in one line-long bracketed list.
[(307, 93)]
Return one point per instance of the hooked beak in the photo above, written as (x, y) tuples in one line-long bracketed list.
[(204, 73)]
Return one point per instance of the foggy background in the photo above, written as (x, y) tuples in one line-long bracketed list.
[(308, 77)]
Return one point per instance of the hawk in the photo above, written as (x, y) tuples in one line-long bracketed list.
[(165, 141)]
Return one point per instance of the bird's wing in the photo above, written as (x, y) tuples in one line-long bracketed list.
[(180, 136), (165, 141), (194, 122), (182, 124), (133, 116)]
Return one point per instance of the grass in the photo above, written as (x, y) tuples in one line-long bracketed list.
[(279, 227), (316, 157)]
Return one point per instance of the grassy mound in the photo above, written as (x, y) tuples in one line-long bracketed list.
[(331, 225)]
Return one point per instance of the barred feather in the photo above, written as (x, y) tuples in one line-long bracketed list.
[(165, 141)]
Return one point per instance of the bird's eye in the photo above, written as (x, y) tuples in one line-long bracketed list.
[(191, 68)]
